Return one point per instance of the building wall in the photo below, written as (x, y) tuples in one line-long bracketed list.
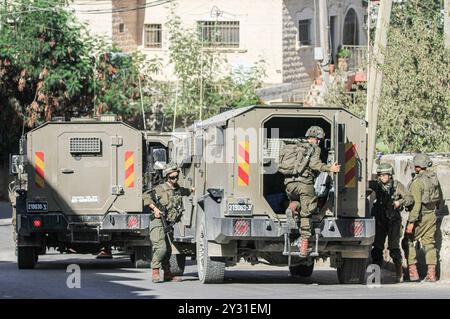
[(298, 60), (268, 31), (260, 30), (100, 24), (129, 38)]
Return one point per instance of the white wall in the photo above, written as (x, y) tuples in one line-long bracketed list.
[(260, 30), (99, 24)]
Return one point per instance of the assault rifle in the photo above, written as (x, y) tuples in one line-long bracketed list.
[(166, 225)]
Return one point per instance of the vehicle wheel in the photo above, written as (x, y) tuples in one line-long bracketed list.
[(177, 264), (26, 257), (352, 270), (142, 257), (210, 271), (301, 270)]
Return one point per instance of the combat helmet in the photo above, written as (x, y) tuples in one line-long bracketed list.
[(385, 168), (315, 131), (171, 167), (422, 160)]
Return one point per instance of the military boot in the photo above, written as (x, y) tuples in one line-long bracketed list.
[(156, 278), (413, 274), (431, 274), (303, 247), (168, 276), (399, 272)]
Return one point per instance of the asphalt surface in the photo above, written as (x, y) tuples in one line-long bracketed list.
[(116, 279)]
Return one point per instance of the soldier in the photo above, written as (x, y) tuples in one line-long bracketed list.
[(391, 196), (300, 188), (170, 196), (422, 219)]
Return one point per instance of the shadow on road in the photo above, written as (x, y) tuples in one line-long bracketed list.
[(99, 279)]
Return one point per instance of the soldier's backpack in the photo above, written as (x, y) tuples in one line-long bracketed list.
[(431, 193), (294, 157)]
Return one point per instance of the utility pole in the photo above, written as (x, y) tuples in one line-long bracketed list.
[(324, 38), (375, 79), (447, 23)]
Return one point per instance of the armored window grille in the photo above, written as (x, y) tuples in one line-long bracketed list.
[(304, 32), (153, 36), (221, 34), (85, 145)]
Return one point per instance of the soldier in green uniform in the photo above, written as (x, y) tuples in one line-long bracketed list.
[(391, 196), (300, 188), (422, 218), (169, 195)]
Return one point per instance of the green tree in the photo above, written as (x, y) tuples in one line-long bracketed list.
[(51, 66), (415, 104)]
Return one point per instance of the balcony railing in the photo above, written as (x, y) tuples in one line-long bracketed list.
[(358, 57)]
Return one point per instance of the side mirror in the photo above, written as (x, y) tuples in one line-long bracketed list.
[(14, 164)]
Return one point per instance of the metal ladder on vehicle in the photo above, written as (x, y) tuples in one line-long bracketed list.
[(287, 247)]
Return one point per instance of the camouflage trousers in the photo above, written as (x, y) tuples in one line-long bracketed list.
[(305, 195), (424, 231), (161, 248), (391, 229)]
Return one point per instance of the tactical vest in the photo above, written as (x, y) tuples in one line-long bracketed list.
[(431, 191), (385, 200), (175, 208)]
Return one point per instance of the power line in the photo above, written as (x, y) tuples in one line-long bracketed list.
[(124, 9), (93, 11)]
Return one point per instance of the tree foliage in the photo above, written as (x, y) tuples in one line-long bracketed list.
[(415, 105), (51, 66), (415, 102)]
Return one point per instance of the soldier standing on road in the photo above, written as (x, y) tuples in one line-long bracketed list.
[(170, 197), (422, 219), (391, 197), (300, 188)]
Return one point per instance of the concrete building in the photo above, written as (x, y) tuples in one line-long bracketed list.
[(284, 33)]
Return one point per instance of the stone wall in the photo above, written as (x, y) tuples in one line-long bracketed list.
[(130, 37), (403, 168)]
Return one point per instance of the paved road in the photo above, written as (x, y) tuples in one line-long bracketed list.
[(115, 279)]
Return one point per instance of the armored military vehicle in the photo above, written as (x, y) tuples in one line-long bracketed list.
[(238, 210), (79, 188)]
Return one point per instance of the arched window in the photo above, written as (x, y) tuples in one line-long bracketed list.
[(351, 34)]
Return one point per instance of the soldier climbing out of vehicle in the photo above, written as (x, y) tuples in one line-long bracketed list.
[(300, 163), (391, 197), (167, 197)]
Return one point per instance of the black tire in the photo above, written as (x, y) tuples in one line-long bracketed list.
[(301, 270), (352, 271), (210, 271), (177, 264), (26, 257), (142, 257)]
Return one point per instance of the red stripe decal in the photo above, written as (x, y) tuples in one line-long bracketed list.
[(129, 170), (243, 175), (350, 174), (350, 153), (40, 155), (39, 171)]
